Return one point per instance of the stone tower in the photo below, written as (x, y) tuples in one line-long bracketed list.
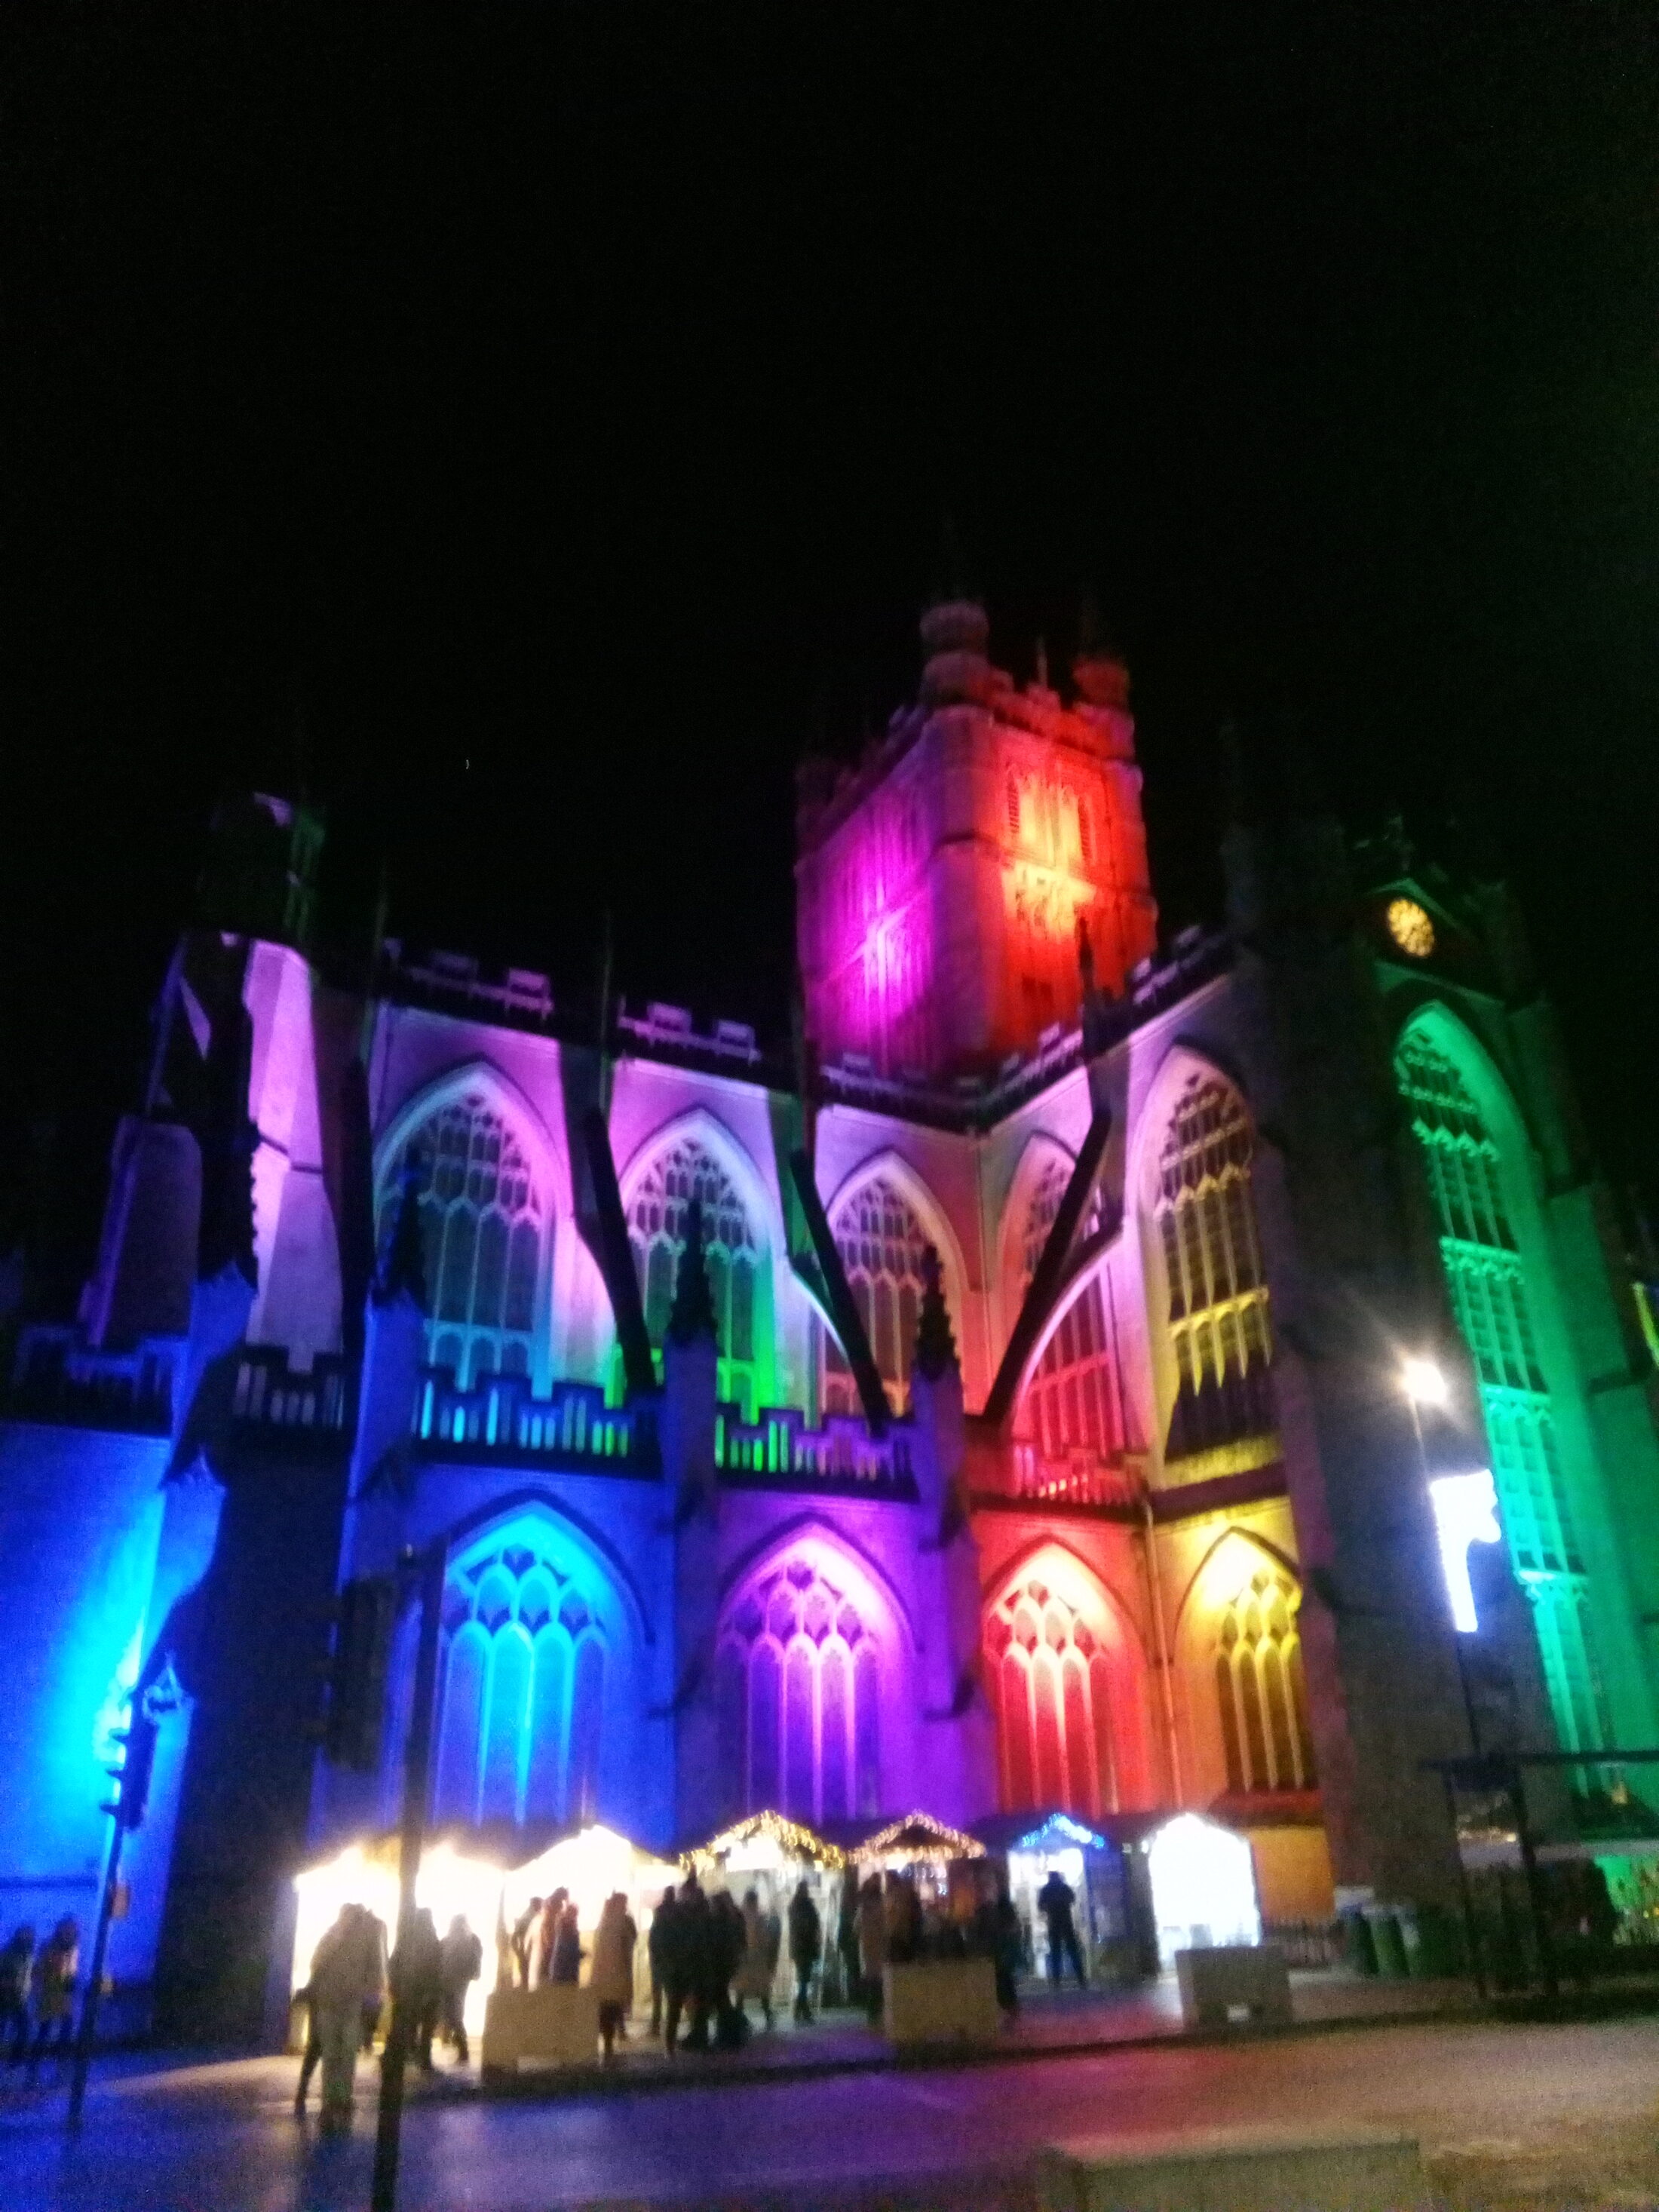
[(942, 884)]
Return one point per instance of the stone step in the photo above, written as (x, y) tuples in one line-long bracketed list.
[(1253, 2169)]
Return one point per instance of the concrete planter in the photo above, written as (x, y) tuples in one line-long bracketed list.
[(1214, 1982), (940, 2000), (557, 2024)]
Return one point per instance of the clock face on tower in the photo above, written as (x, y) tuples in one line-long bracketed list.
[(1410, 928)]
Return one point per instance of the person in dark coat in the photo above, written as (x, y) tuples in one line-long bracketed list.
[(461, 1962), (17, 1977), (374, 1928), (806, 1947), (568, 1952), (56, 1970), (417, 1985), (546, 1939), (687, 1968), (998, 1936), (846, 1935), (730, 1941), (1054, 1901), (658, 1945)]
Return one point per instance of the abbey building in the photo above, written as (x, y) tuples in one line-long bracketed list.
[(1025, 1430)]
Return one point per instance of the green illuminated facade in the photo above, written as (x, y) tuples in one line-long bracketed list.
[(1537, 1289)]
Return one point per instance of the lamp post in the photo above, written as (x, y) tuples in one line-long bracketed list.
[(1423, 1383), (430, 1566)]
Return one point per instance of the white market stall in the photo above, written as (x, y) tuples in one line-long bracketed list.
[(452, 1881), (773, 1856), (1203, 1880), (590, 1864)]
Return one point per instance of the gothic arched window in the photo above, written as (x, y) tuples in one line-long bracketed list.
[(682, 1170), (1041, 1209), (521, 1688), (1487, 1279), (1073, 1399), (481, 1232), (1051, 1673), (1217, 1298), (1261, 1689), (798, 1699), (881, 1244)]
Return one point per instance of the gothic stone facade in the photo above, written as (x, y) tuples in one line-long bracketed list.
[(1156, 1535)]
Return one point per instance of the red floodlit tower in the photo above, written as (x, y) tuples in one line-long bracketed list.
[(941, 884)]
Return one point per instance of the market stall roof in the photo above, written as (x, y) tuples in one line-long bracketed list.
[(591, 1862), (502, 1843), (916, 1838), (790, 1839), (1048, 1828)]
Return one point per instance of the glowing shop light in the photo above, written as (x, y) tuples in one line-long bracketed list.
[(590, 1864), (1058, 1829), (1203, 1886), (916, 1840), (451, 1882), (1423, 1383), (762, 1844), (1465, 1513)]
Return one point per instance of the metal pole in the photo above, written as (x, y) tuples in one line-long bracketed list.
[(1458, 1634), (96, 1975), (1534, 1898), (1471, 1932), (418, 1770)]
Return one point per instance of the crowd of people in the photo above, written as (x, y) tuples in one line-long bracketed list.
[(709, 1958), (37, 1994), (428, 1977), (890, 1922)]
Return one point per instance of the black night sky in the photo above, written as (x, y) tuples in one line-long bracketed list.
[(532, 427)]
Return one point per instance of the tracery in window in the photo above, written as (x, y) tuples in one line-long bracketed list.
[(1487, 1281), (684, 1169), (481, 1228), (1056, 1683), (881, 1244), (521, 1688), (1041, 1209), (1073, 1400), (1217, 1300), (798, 1698), (1261, 1688)]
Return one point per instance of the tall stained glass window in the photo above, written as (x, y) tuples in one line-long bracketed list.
[(521, 1690), (1050, 1672), (1486, 1279), (1261, 1689), (798, 1699), (482, 1234), (1218, 1298), (881, 1244), (683, 1171)]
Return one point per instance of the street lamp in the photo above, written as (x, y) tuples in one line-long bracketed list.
[(1424, 1384), (1458, 1518)]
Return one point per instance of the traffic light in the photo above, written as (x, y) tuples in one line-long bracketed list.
[(357, 1676), (137, 1765)]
